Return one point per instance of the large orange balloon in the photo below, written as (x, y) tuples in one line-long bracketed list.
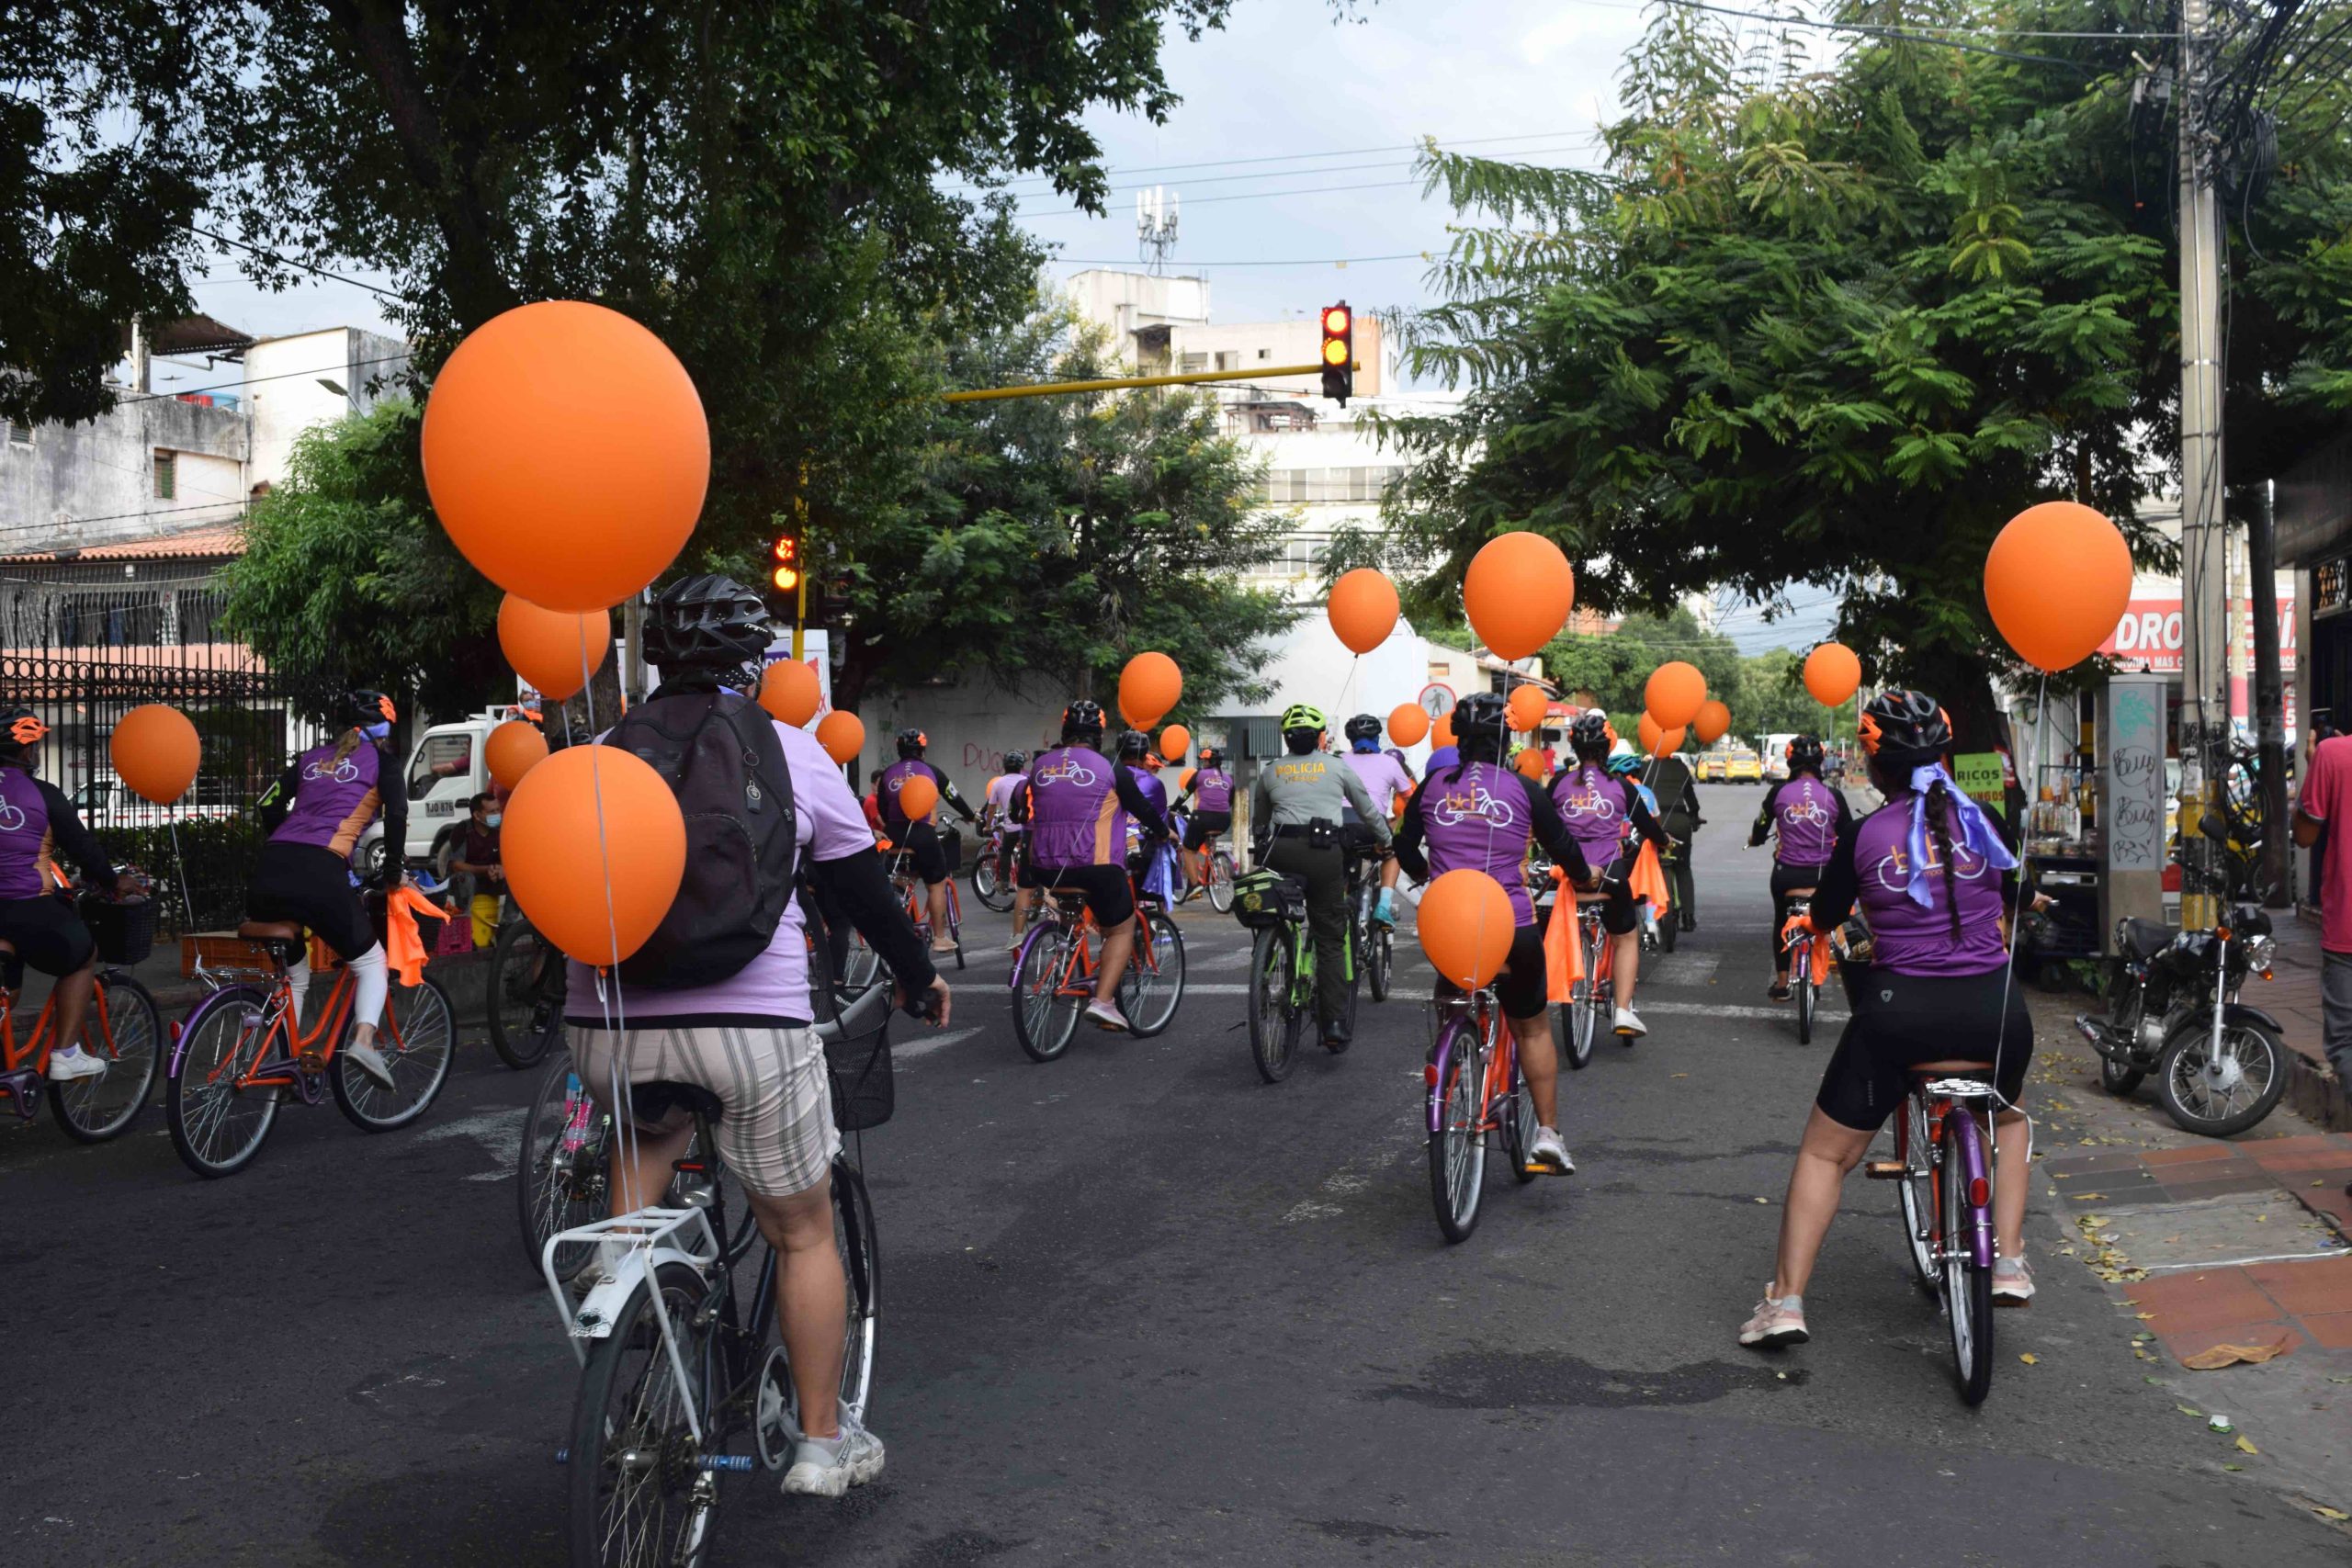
[(1832, 673), (1647, 733), (1526, 707), (1175, 742), (1149, 688), (1519, 592), (595, 885), (841, 734), (567, 454), (1675, 694), (1713, 723), (513, 749), (1668, 742), (1408, 724), (155, 753), (1441, 732), (2057, 580), (1531, 762), (917, 796), (1465, 922), (1184, 780), (1363, 609), (556, 651), (790, 693)]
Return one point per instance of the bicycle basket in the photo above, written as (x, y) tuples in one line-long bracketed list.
[(951, 849), (864, 1089), (125, 932), (1265, 898)]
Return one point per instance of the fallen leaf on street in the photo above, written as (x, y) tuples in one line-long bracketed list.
[(2338, 1514), (2030, 1359), (2233, 1467), (2219, 1356), (2088, 1197), (2247, 1448), (2185, 1410)]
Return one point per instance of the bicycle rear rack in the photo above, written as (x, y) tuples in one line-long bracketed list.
[(653, 1236)]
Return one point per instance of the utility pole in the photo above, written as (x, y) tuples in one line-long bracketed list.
[(2204, 573), (2269, 698)]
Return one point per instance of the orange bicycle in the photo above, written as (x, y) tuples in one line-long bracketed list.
[(1053, 978), (1475, 1088), (240, 1054), (124, 1031), (864, 963)]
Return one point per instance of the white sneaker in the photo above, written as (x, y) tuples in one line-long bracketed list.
[(1550, 1153), (73, 1063), (2012, 1282), (827, 1467), (1629, 1025), (1106, 1015), (369, 1060)]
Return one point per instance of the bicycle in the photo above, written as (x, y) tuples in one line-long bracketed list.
[(864, 964), (672, 1371), (225, 1081), (1943, 1161), (1053, 976), (1219, 861), (1373, 938), (526, 996), (1282, 963), (994, 881), (1592, 999), (1475, 1088), (1802, 987), (123, 1030)]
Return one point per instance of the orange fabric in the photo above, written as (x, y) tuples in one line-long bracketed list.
[(1648, 880), (402, 947), (1562, 953), (1821, 957)]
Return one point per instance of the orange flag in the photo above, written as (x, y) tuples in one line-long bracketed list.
[(403, 946), (1562, 953)]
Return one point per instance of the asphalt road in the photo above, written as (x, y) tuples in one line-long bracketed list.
[(1138, 1308)]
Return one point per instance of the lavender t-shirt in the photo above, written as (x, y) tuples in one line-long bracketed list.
[(1384, 777), (775, 986), (1911, 940)]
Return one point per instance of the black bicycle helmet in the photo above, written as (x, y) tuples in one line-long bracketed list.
[(705, 623), (1363, 726), (363, 706), (1211, 756), (912, 742), (1590, 736), (20, 729), (1133, 744), (1904, 727), (1804, 754), (1082, 720), (1481, 716), (1016, 762)]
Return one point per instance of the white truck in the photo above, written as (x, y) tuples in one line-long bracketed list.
[(444, 772)]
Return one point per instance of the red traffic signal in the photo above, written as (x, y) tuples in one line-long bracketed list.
[(786, 576), (1338, 352)]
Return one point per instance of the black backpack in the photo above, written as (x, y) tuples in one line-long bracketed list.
[(719, 754)]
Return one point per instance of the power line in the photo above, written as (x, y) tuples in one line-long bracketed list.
[(1905, 34), (1330, 169), (1335, 153), (300, 267), (1311, 190), (1310, 261), (347, 365)]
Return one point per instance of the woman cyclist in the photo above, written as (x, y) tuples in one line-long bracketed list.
[(1390, 780), (919, 837), (1928, 870), (1479, 814), (996, 812), (1807, 815), (1212, 789), (315, 813), (1602, 813), (36, 822)]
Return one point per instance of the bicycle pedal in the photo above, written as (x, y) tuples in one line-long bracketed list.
[(1883, 1170)]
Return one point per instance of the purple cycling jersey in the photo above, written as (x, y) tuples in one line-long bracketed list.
[(1072, 809), (1384, 777), (26, 850), (1595, 810), (1805, 814), (1146, 784), (1212, 789), (1478, 817), (334, 798), (893, 778), (1907, 937)]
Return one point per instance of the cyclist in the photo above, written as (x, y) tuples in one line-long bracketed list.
[(996, 806), (1603, 815), (1296, 811), (1928, 870), (1479, 814), (1390, 780), (1078, 807), (1212, 790), (1136, 760), (1677, 793), (746, 1038), (36, 822), (920, 840), (1807, 815), (315, 813)]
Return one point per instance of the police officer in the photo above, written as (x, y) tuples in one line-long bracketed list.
[(1295, 808)]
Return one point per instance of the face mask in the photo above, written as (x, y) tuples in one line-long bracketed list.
[(377, 730), (491, 821)]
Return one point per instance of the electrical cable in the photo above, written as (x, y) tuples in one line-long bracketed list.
[(1335, 153), (299, 266)]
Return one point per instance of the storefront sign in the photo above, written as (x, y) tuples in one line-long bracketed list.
[(1979, 775), (2149, 636), (2332, 586)]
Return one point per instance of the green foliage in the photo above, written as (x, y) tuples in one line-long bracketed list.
[(216, 854)]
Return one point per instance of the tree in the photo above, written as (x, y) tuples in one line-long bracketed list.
[(1836, 321)]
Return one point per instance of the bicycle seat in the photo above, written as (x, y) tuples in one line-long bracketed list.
[(651, 1103), (269, 930), (1924, 1070), (2143, 938)]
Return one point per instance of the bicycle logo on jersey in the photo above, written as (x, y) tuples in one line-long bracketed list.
[(1589, 803), (1808, 812), (11, 817), (1457, 806), (344, 772), (1895, 874), (1070, 771)]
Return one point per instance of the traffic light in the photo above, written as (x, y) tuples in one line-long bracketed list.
[(786, 576), (1338, 352)]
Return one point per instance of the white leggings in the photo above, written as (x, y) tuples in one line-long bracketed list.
[(373, 977)]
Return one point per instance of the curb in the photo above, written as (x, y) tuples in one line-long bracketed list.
[(2314, 1090)]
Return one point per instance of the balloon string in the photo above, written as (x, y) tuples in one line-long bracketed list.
[(179, 865), (616, 1007)]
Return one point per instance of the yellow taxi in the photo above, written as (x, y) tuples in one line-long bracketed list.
[(1743, 768), (1708, 767)]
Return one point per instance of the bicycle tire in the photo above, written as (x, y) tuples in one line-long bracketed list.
[(1354, 958), (524, 1010), (1383, 963), (133, 1048), (1272, 965), (1519, 1126), (419, 1042), (1805, 993), (631, 1414), (1221, 883), (557, 1189), (1916, 1200), (1669, 929), (862, 1268), (1458, 1149), (992, 893), (1150, 999), (217, 1042), (1043, 1021), (1968, 1290)]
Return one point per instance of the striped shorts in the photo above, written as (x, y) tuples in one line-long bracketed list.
[(776, 1131)]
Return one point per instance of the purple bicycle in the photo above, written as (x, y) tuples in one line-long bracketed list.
[(1944, 1168)]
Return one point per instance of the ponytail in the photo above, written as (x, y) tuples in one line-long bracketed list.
[(1939, 828), (348, 743)]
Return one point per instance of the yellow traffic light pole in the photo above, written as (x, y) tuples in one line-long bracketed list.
[(1118, 383)]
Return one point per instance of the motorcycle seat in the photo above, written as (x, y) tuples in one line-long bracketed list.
[(2144, 939)]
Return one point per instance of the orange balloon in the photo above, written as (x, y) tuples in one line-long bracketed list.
[(2057, 580), (1175, 742), (567, 454), (1526, 707), (790, 693), (594, 887), (1149, 688), (155, 753), (1519, 592), (1184, 780), (1441, 732), (513, 749), (1675, 694), (1465, 922), (1531, 762), (841, 734), (1713, 723), (917, 796), (1362, 608), (1647, 733), (1408, 724), (1832, 673), (1669, 742), (557, 652)]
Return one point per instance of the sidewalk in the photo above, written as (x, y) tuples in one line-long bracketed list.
[(2293, 999)]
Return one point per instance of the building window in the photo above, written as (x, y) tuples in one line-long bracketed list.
[(1192, 362), (1228, 359), (19, 434), (1265, 354), (166, 476)]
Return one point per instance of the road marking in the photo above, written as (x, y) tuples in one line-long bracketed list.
[(924, 1045), (497, 1130), (1681, 969)]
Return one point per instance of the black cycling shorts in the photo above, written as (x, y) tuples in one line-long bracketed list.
[(1204, 826), (46, 934), (1618, 915), (1522, 988), (1902, 1018), (1108, 893), (311, 886), (1786, 880), (920, 840)]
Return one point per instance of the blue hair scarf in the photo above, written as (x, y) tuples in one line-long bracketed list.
[(1976, 831)]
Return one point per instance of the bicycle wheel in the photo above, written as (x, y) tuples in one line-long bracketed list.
[(1272, 964), (1915, 1194), (1042, 1019), (419, 1040), (862, 1267), (1149, 995), (639, 1495), (1802, 981), (1354, 958), (993, 891), (1519, 1126), (1383, 963), (124, 1032), (1968, 1290), (525, 1001), (1669, 929), (1221, 883), (561, 1178), (216, 1127), (1458, 1149)]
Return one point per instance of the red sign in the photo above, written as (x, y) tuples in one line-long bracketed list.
[(2149, 635)]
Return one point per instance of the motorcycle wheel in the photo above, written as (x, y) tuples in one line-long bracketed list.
[(2222, 1101)]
